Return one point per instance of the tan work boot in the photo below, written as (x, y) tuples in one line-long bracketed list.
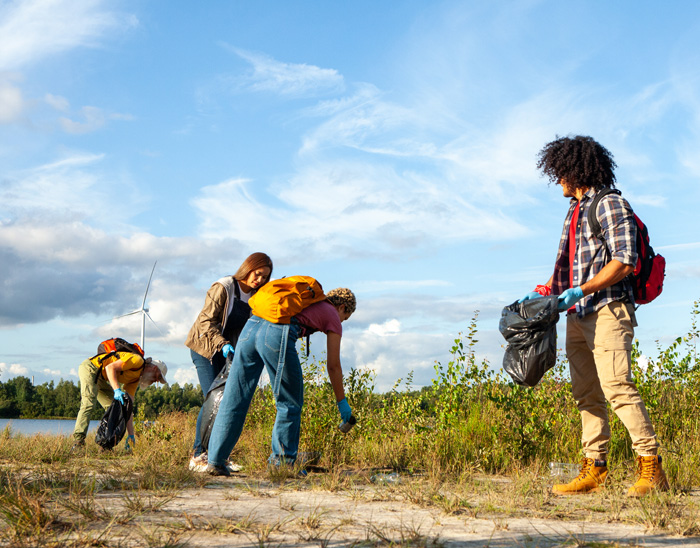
[(590, 479), (651, 477)]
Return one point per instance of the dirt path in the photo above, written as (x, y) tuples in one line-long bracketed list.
[(240, 512)]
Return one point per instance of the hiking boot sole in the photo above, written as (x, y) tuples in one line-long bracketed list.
[(570, 493)]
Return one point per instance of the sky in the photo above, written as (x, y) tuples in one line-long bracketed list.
[(388, 147)]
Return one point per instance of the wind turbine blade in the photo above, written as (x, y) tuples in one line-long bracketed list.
[(143, 304), (154, 323), (127, 314)]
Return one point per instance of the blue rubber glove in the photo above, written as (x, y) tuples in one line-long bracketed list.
[(569, 298), (131, 439), (119, 394), (531, 295), (227, 349), (345, 411)]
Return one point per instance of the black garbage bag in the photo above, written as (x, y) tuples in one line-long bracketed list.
[(112, 427), (210, 407), (530, 328)]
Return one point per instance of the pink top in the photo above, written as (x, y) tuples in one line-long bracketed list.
[(322, 316)]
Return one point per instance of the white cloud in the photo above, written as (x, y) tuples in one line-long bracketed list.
[(16, 369), (52, 251), (396, 356), (652, 200), (68, 191), (57, 102), (34, 29), (51, 372), (93, 118), (66, 185), (375, 285), (270, 75), (12, 103), (173, 308), (184, 375), (366, 122), (350, 208), (386, 329), (691, 246)]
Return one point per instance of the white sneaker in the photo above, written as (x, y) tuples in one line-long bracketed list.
[(199, 464), (233, 467)]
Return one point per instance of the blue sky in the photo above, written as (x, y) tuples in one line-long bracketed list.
[(389, 147)]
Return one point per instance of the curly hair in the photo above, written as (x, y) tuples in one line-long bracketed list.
[(580, 160), (342, 295)]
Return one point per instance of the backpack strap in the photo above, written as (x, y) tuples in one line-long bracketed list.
[(102, 357), (593, 221)]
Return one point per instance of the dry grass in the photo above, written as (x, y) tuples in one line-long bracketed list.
[(52, 498)]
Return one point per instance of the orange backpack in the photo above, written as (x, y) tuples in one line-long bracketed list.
[(110, 347), (280, 300), (118, 344)]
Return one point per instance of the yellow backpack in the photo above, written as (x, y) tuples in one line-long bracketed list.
[(280, 300)]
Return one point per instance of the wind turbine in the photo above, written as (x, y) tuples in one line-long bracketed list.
[(143, 311)]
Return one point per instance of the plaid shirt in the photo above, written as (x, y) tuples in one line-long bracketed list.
[(620, 232)]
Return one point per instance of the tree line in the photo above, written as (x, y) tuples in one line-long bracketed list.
[(20, 399)]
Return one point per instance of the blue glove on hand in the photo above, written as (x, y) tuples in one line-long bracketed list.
[(131, 439), (345, 411), (227, 349), (119, 394), (531, 295), (569, 298)]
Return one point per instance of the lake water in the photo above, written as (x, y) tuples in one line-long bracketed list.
[(43, 426)]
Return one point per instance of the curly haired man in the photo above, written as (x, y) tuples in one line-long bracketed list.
[(593, 288)]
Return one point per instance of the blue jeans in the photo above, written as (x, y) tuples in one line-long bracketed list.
[(207, 372), (273, 346)]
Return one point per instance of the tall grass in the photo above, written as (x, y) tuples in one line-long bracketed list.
[(471, 418), (474, 418), (48, 492)]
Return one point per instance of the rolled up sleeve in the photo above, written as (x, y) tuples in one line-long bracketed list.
[(619, 229)]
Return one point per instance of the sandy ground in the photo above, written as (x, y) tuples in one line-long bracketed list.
[(238, 511)]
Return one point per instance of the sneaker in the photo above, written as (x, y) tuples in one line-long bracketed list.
[(651, 477), (590, 479), (281, 470), (232, 467), (199, 463), (308, 458), (78, 446), (217, 470)]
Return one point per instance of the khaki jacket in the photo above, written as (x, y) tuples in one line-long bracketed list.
[(205, 336)]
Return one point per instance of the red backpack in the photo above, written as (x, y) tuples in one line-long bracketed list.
[(648, 276)]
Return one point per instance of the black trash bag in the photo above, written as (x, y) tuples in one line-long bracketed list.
[(530, 328), (210, 407), (113, 424)]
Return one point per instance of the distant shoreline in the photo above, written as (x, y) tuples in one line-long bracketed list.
[(39, 418)]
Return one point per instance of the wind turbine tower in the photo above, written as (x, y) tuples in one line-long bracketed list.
[(143, 310)]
